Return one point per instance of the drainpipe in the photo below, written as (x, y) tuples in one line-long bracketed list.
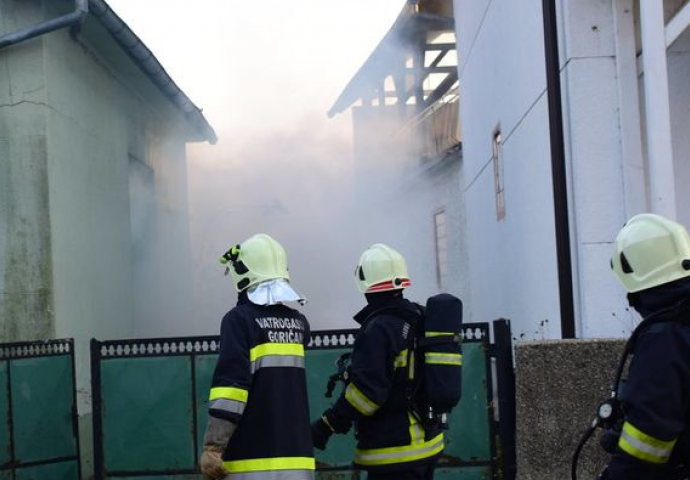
[(81, 9), (657, 109), (558, 170)]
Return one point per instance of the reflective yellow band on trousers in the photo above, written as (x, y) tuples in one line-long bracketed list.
[(277, 463), (643, 446), (296, 349), (360, 401), (404, 454), (272, 475), (431, 358), (229, 393)]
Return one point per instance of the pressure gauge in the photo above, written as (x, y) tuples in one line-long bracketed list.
[(605, 411)]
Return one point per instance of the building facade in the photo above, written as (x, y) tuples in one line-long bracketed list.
[(626, 150), (93, 186)]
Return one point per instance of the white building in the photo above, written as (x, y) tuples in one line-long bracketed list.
[(625, 76)]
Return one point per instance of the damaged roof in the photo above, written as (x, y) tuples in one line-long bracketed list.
[(407, 38)]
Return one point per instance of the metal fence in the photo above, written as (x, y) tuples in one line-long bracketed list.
[(150, 401), (38, 408)]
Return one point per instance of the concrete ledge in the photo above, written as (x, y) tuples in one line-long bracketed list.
[(559, 385)]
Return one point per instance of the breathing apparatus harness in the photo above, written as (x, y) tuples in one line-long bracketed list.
[(424, 409), (609, 416)]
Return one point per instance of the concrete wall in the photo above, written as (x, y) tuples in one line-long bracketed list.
[(559, 385), (26, 295)]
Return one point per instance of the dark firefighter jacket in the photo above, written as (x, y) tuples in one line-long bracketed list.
[(654, 443), (260, 384), (389, 437)]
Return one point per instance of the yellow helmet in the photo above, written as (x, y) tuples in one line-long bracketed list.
[(257, 259), (650, 251), (381, 268)]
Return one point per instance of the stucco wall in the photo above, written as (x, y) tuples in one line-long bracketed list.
[(679, 92), (26, 296), (101, 112), (513, 261), (72, 111)]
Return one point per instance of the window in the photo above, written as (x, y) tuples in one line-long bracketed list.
[(497, 156), (441, 234)]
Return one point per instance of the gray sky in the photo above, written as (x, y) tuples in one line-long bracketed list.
[(238, 60), (265, 73)]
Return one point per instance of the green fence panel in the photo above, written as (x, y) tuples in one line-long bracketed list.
[(5, 448), (151, 401), (469, 439), (38, 407), (42, 408), (469, 436), (55, 471), (204, 366), (148, 415), (460, 473), (320, 364), (165, 477)]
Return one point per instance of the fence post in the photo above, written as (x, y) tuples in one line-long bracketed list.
[(505, 381), (98, 464)]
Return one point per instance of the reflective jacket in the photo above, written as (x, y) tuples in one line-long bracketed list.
[(260, 384), (656, 402), (389, 437)]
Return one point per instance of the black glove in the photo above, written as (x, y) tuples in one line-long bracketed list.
[(320, 433)]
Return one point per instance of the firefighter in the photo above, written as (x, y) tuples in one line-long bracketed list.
[(258, 424), (391, 442), (652, 261)]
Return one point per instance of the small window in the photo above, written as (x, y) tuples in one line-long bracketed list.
[(441, 234), (497, 156)]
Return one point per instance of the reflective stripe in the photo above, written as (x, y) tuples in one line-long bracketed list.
[(229, 393), (230, 406), (273, 475), (277, 361), (443, 358), (416, 430), (644, 447), (265, 349), (407, 453), (270, 464), (401, 360), (439, 334), (360, 401)]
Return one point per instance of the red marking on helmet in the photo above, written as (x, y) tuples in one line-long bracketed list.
[(388, 285)]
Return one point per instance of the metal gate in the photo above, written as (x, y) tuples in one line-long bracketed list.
[(150, 401), (38, 407)]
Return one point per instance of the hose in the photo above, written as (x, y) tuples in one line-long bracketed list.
[(576, 455)]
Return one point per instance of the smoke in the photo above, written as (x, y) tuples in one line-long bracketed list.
[(266, 74), (294, 184)]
